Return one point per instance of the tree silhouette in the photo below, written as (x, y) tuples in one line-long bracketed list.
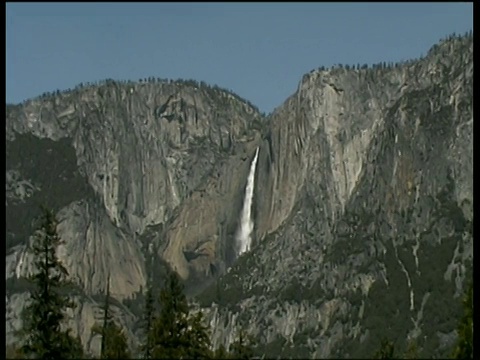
[(149, 319), (175, 334), (114, 342), (42, 335), (386, 350), (464, 346), (241, 348)]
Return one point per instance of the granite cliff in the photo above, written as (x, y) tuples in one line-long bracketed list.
[(362, 208)]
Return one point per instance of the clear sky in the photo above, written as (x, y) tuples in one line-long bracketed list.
[(258, 50)]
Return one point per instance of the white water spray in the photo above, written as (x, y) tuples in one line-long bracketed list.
[(244, 240)]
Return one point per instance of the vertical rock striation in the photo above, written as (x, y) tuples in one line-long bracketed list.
[(361, 173), (363, 205)]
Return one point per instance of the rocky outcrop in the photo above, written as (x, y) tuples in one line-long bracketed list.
[(358, 206), (362, 205), (116, 160), (139, 163)]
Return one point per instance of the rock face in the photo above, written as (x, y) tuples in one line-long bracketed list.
[(120, 161), (363, 213), (362, 205)]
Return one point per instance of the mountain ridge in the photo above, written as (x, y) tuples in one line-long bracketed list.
[(335, 163)]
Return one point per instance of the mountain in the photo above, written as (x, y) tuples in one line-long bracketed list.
[(361, 189)]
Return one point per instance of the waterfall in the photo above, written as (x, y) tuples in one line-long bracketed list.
[(243, 238)]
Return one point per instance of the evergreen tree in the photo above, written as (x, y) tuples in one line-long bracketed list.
[(198, 338), (42, 335), (107, 318), (386, 350), (464, 347), (149, 319), (175, 334), (171, 325), (114, 342), (412, 350), (116, 346), (221, 353), (241, 348), (13, 352)]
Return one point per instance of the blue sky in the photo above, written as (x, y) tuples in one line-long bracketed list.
[(258, 50)]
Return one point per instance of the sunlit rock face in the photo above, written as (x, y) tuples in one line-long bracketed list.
[(354, 198), (127, 167), (363, 214)]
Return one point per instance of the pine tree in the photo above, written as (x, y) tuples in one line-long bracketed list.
[(107, 318), (464, 347), (42, 335), (176, 334), (412, 350), (13, 352), (221, 353), (386, 350), (198, 338), (116, 346), (114, 342), (241, 348), (170, 327), (149, 319)]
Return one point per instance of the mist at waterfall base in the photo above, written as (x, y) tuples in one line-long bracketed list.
[(243, 238)]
